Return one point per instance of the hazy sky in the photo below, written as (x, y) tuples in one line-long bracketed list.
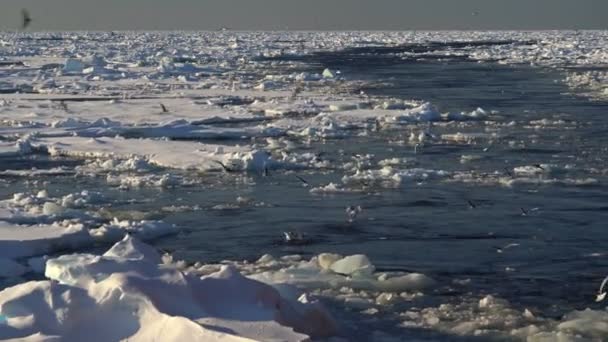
[(305, 14)]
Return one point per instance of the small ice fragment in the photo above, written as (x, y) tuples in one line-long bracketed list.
[(50, 208), (349, 265), (528, 314), (327, 73), (487, 302), (325, 260), (42, 194), (265, 259)]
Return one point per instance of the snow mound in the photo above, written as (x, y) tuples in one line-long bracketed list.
[(125, 294)]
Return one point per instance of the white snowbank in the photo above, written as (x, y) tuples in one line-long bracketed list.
[(126, 294)]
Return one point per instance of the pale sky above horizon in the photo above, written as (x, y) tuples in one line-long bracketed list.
[(305, 14)]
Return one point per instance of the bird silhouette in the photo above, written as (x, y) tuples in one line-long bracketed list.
[(26, 19)]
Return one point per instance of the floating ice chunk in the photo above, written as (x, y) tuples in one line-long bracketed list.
[(532, 170), (426, 112), (330, 188), (50, 208), (42, 194), (266, 85), (145, 230), (477, 114), (325, 260), (467, 138), (327, 73), (393, 105), (357, 264), (305, 76), (588, 323), (408, 282), (93, 60)]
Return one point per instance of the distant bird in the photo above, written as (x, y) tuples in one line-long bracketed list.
[(508, 172), (377, 125), (63, 105), (538, 166), (601, 294), (294, 238), (471, 204), (226, 168), (294, 92), (163, 108), (352, 212), (525, 212), (26, 19), (502, 249), (416, 148), (475, 13), (265, 173), (318, 156), (304, 182), (364, 182)]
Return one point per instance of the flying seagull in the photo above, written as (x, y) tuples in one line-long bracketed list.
[(63, 105), (304, 182), (226, 168), (525, 212), (265, 173), (26, 19), (502, 249), (318, 156), (295, 238), (471, 204), (601, 294), (352, 212)]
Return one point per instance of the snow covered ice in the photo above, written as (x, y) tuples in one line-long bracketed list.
[(127, 294)]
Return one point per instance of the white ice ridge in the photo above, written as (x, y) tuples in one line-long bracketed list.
[(186, 155), (21, 241), (127, 294)]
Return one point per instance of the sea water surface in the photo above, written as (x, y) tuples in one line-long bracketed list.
[(538, 243)]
